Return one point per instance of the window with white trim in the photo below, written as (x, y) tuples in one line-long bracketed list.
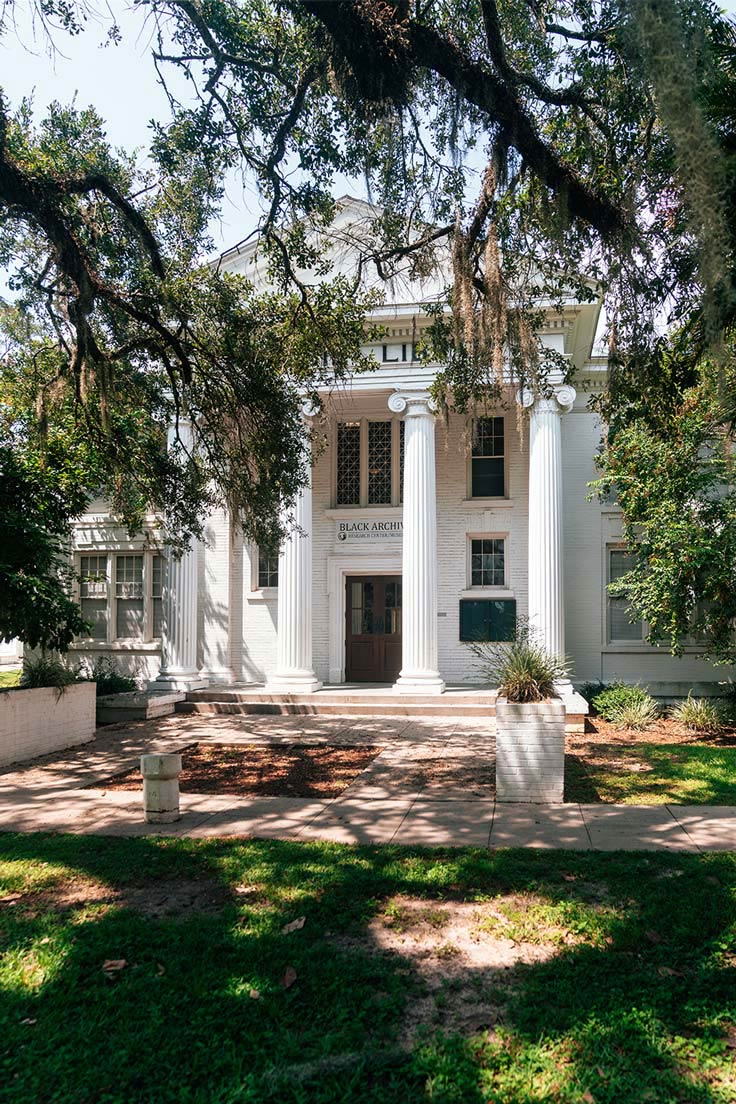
[(93, 594), (621, 629), (487, 562), (487, 459), (268, 569), (121, 595), (369, 462), (623, 626)]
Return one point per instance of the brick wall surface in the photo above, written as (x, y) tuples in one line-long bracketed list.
[(35, 722)]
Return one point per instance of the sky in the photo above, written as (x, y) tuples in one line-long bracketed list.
[(118, 80)]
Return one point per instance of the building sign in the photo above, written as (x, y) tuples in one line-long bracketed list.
[(366, 531)]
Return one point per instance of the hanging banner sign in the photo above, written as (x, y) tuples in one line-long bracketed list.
[(367, 531)]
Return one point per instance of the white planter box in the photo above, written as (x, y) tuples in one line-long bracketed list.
[(35, 722), (530, 751)]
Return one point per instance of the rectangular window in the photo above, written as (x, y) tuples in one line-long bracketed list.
[(129, 619), (93, 594), (621, 627), (487, 562), (370, 463), (268, 570), (379, 463), (157, 594), (487, 619), (487, 459), (402, 446), (121, 594), (348, 464)]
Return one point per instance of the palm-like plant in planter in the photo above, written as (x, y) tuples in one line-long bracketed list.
[(530, 717)]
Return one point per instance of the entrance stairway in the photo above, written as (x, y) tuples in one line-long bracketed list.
[(343, 701)]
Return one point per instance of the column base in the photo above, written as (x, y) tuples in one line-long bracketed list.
[(293, 684), (419, 684), (164, 684), (573, 702), (222, 676)]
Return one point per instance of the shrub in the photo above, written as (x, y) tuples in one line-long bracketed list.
[(523, 669), (109, 679), (609, 702), (700, 715), (637, 714), (590, 690), (47, 671)]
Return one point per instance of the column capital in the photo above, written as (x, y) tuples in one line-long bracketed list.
[(559, 402), (416, 403)]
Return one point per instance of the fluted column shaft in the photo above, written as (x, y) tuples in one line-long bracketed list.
[(294, 671), (546, 543), (419, 667), (179, 668)]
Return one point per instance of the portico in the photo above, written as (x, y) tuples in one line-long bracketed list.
[(370, 617)]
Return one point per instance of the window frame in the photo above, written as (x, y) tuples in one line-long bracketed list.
[(612, 642), (481, 588), (396, 488), (639, 644), (111, 639), (256, 579), (504, 458)]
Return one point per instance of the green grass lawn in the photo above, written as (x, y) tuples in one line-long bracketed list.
[(9, 678), (653, 774), (606, 977)]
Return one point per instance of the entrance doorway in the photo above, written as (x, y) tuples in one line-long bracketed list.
[(373, 630)]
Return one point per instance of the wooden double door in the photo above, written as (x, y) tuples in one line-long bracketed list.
[(373, 630)]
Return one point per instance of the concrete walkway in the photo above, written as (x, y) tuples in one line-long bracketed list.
[(389, 802)]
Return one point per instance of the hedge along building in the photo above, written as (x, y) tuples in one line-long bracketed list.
[(416, 534)]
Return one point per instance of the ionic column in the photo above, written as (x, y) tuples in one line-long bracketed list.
[(419, 668), (294, 672), (179, 669), (546, 566)]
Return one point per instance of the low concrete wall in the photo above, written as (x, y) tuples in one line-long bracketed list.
[(530, 751), (35, 722), (136, 705)]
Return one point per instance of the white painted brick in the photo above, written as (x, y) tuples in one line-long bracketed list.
[(36, 722)]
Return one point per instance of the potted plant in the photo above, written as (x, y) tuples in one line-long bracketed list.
[(530, 717)]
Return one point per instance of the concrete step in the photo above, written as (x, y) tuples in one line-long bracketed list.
[(485, 698), (398, 707)]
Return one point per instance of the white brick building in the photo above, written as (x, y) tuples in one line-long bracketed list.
[(373, 545)]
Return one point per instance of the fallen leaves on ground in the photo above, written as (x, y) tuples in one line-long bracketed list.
[(289, 977), (113, 966)]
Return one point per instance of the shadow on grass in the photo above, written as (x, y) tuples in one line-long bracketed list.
[(648, 774), (201, 1012), (579, 785)]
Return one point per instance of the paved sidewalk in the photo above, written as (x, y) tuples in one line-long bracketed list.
[(390, 802)]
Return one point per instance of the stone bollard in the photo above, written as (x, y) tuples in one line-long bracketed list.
[(161, 788)]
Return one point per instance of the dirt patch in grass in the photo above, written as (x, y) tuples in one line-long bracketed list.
[(167, 897), (464, 965), (663, 731), (293, 770)]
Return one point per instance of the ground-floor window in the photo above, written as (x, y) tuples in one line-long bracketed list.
[(268, 569), (121, 595), (487, 562), (622, 629)]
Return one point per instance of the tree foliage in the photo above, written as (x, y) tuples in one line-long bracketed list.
[(34, 575), (670, 413), (543, 147)]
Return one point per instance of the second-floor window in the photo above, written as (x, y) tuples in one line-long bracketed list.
[(487, 479), (369, 463)]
